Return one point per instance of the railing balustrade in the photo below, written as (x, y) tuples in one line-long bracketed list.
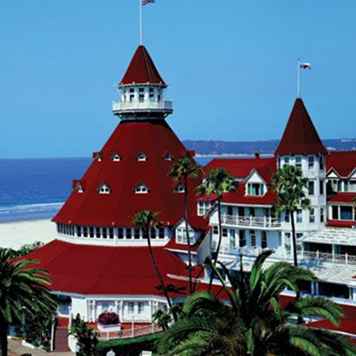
[(129, 332), (142, 105), (262, 222)]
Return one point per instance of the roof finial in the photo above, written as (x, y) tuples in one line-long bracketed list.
[(300, 65)]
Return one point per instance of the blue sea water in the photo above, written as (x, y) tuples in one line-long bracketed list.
[(32, 189), (36, 188)]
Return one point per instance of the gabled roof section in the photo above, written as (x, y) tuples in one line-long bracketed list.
[(142, 70), (300, 135), (342, 162)]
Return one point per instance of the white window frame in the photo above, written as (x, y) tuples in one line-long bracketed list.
[(141, 157), (141, 189), (104, 189)]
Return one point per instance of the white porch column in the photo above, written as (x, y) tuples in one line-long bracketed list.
[(333, 252), (353, 293), (120, 310), (316, 288), (330, 212)]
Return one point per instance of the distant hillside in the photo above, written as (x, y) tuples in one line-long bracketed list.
[(250, 147)]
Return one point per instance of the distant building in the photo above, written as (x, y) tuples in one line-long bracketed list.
[(100, 261)]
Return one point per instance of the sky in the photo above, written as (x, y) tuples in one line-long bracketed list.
[(230, 66)]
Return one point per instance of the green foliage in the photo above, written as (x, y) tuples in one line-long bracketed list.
[(86, 337), (217, 182), (162, 319), (291, 187), (254, 323), (23, 289), (37, 329), (184, 168)]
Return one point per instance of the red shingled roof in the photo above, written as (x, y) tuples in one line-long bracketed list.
[(142, 70), (155, 139), (241, 168), (342, 198), (99, 270), (343, 162), (300, 135)]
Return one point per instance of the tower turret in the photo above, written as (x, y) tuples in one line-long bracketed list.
[(301, 146), (142, 90)]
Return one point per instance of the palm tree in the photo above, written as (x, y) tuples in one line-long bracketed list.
[(205, 327), (216, 183), (183, 169), (147, 220), (162, 319), (254, 322), (290, 186), (23, 289)]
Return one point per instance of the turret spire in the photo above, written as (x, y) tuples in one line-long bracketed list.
[(300, 135)]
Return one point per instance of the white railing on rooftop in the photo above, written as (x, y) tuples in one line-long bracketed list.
[(118, 106), (246, 221)]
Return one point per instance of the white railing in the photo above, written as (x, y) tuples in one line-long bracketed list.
[(246, 221), (316, 256), (129, 332), (118, 106), (303, 256)]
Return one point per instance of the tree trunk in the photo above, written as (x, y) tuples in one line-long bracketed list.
[(4, 329), (295, 258), (294, 239), (218, 246), (158, 273), (187, 234)]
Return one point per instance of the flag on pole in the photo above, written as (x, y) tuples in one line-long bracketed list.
[(146, 2), (305, 65)]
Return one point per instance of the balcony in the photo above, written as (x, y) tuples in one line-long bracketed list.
[(251, 222), (127, 107)]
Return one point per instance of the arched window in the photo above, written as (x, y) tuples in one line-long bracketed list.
[(104, 189), (141, 157), (180, 188), (141, 189), (116, 157)]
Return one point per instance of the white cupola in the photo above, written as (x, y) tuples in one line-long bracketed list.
[(142, 90)]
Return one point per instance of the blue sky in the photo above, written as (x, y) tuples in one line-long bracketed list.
[(230, 66)]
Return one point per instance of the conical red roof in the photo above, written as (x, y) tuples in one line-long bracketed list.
[(156, 140), (300, 135), (142, 70)]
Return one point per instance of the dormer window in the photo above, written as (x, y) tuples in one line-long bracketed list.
[(180, 188), (141, 157), (104, 189), (98, 156), (116, 157), (77, 186), (168, 156), (255, 189), (141, 189)]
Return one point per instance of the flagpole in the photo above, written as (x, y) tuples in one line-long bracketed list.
[(141, 22), (298, 78)]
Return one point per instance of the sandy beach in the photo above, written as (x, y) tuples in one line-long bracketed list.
[(16, 234)]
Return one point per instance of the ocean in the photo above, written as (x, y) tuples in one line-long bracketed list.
[(32, 189)]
